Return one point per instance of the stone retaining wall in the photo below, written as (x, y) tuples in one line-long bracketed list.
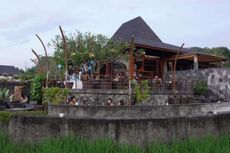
[(125, 131), (218, 79), (99, 97), (129, 112)]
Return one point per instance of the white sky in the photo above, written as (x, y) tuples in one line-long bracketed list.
[(203, 23)]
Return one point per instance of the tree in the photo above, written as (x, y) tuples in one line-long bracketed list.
[(86, 50)]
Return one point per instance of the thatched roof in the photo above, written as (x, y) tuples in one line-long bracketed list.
[(143, 35)]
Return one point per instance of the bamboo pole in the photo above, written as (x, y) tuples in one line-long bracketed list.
[(38, 58), (66, 55), (174, 73), (47, 60)]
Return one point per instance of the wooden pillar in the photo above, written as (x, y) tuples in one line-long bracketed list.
[(108, 69), (157, 68), (131, 60), (165, 67), (195, 65), (142, 62)]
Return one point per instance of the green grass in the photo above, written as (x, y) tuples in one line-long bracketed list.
[(75, 145)]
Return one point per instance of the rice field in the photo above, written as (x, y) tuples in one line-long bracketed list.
[(75, 145)]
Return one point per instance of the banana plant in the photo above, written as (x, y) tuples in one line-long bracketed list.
[(4, 93)]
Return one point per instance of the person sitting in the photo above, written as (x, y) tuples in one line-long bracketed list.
[(121, 103), (109, 102), (117, 78), (156, 82), (24, 99), (73, 101)]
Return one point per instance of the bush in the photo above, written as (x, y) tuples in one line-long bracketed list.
[(55, 95), (200, 88), (142, 91), (36, 89)]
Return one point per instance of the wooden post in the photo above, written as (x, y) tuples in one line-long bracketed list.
[(195, 65), (131, 66), (131, 59), (165, 67)]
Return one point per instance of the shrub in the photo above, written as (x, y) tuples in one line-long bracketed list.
[(36, 89), (55, 95), (200, 88), (142, 91)]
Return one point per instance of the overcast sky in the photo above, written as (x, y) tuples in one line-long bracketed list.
[(203, 23)]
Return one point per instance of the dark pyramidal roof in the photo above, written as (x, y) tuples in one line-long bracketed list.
[(8, 70), (143, 35), (137, 27)]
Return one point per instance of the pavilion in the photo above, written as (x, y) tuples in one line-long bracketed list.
[(159, 57)]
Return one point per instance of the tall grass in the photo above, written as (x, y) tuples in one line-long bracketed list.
[(76, 145)]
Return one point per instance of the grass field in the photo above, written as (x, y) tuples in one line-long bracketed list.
[(74, 145)]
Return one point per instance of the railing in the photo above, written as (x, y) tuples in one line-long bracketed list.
[(181, 86), (111, 82)]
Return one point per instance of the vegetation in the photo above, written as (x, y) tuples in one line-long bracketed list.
[(142, 90), (219, 51), (55, 95), (36, 88), (4, 93), (76, 145), (4, 116), (200, 88), (87, 52)]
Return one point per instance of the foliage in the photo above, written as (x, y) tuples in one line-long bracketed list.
[(4, 116), (70, 144), (36, 88), (142, 90), (28, 74), (4, 93), (219, 51), (88, 51), (200, 88), (55, 95)]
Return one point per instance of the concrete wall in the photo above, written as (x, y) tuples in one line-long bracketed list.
[(218, 79), (129, 112), (125, 131)]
